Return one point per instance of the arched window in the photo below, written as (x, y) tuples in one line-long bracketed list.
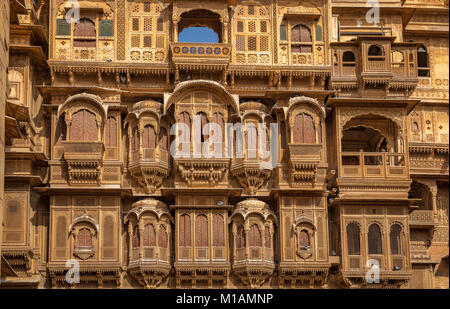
[(376, 53), (396, 247), (240, 237), (218, 119), (348, 59), (304, 129), (375, 50), (185, 230), (163, 138), (415, 126), (61, 130), (201, 231), (149, 236), (251, 140), (422, 62), (200, 26), (111, 132), (267, 238), (84, 238), (135, 139), (283, 32), (200, 122), (148, 137), (304, 239), (84, 34), (283, 134), (184, 118), (375, 244), (301, 40), (162, 237), (353, 239), (135, 237), (83, 126), (218, 231), (254, 236)]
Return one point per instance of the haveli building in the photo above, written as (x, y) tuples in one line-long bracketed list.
[(361, 165)]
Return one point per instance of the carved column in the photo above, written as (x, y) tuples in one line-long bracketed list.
[(130, 242), (141, 234)]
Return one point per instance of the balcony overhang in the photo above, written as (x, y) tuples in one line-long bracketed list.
[(409, 104)]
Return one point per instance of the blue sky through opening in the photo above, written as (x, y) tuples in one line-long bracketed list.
[(198, 35)]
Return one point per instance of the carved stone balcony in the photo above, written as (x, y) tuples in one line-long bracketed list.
[(304, 160), (395, 66), (253, 259), (211, 56), (149, 167), (251, 173), (84, 161), (202, 171), (422, 218), (428, 159), (373, 165), (354, 271)]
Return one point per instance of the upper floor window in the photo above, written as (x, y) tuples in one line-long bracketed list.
[(200, 26), (301, 39), (201, 231), (163, 138), (84, 238), (84, 33), (252, 28), (422, 62), (240, 237), (267, 238), (135, 139), (135, 237), (304, 239), (149, 237), (111, 132), (375, 53), (304, 129), (254, 236), (149, 137), (83, 126), (185, 230), (146, 32), (395, 239), (348, 59), (353, 239), (374, 237), (218, 227), (162, 237)]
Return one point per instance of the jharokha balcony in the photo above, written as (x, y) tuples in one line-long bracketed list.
[(84, 160), (148, 158)]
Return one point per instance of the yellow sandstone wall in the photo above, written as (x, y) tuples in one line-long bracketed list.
[(4, 39)]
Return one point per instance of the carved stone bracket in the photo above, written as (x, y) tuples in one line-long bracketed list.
[(201, 172), (251, 176)]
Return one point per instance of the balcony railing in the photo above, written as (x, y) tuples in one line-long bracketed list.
[(421, 217), (373, 165), (199, 52)]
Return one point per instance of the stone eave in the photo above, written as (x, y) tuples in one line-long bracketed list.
[(58, 66), (17, 111), (38, 32), (36, 52), (409, 104), (382, 200)]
